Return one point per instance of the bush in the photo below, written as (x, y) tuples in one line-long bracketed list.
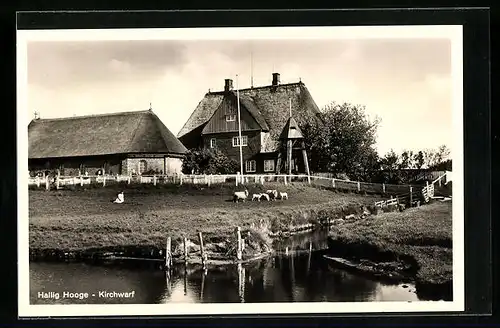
[(208, 161)]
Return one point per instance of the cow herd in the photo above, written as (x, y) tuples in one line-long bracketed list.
[(269, 195)]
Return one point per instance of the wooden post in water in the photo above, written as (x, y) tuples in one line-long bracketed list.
[(411, 196), (168, 254), (185, 250), (241, 282), (185, 279), (309, 257), (238, 244), (203, 274), (202, 251)]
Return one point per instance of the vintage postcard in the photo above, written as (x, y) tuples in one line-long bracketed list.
[(240, 170)]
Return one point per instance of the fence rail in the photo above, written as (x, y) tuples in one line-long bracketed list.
[(236, 179)]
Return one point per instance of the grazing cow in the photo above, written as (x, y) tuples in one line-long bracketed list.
[(256, 196), (273, 194), (240, 195), (266, 196)]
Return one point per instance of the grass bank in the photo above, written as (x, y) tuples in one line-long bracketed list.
[(421, 236), (86, 219)]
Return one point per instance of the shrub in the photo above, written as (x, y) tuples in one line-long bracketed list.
[(208, 161)]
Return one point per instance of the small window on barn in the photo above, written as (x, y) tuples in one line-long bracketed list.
[(212, 143), (230, 118), (269, 165), (143, 166), (251, 166), (236, 140)]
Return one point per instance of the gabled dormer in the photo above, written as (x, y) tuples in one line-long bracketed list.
[(225, 118)]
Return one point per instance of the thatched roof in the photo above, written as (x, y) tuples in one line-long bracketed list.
[(268, 104), (116, 133)]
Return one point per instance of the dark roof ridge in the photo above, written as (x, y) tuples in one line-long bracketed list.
[(257, 88), (94, 115)]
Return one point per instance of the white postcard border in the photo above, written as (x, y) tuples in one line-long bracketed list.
[(454, 33)]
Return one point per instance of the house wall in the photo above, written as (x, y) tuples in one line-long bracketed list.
[(163, 165), (73, 165), (111, 164)]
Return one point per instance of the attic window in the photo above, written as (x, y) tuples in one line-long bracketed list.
[(230, 118)]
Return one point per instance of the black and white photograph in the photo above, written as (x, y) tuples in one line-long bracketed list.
[(240, 170)]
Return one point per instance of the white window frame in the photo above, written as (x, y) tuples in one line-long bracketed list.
[(243, 138), (266, 168), (213, 143), (230, 117), (250, 163)]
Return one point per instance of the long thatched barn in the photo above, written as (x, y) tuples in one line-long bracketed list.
[(118, 143)]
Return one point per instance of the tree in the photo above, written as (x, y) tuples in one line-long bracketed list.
[(390, 161), (344, 142), (208, 161), (419, 160), (407, 160)]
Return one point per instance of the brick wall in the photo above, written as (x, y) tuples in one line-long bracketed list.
[(161, 165)]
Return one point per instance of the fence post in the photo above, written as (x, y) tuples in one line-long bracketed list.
[(238, 243), (57, 179), (237, 178), (285, 180), (208, 179), (103, 180), (154, 180), (333, 182), (128, 179), (359, 186), (81, 180), (411, 196), (168, 254), (47, 187), (383, 187), (202, 250), (37, 181), (180, 180)]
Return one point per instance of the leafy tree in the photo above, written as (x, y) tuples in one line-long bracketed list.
[(344, 142), (208, 161), (407, 160), (419, 159), (390, 161)]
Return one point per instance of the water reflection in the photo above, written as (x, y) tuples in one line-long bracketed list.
[(304, 277)]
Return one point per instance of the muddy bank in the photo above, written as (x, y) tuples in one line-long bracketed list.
[(387, 264)]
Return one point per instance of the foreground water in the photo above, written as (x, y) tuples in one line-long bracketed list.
[(284, 278)]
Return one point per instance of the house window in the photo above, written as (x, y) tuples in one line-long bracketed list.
[(269, 165), (237, 139), (143, 166), (251, 166), (230, 118), (212, 143)]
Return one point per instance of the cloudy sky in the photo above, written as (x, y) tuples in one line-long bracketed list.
[(407, 83)]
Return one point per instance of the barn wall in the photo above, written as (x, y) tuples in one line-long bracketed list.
[(72, 166), (160, 165)]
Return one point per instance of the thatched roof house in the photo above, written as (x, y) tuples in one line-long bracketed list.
[(119, 143), (265, 113)]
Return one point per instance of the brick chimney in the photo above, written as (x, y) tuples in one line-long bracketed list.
[(276, 79), (228, 86)]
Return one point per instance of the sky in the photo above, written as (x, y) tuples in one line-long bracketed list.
[(407, 83)]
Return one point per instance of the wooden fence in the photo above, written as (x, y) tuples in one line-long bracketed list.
[(58, 182)]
